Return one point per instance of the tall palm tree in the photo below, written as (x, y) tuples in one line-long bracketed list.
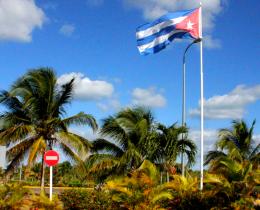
[(34, 119), (132, 139), (236, 144), (171, 145)]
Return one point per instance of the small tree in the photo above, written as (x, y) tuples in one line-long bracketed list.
[(34, 121)]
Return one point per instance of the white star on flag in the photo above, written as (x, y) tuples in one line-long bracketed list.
[(189, 25)]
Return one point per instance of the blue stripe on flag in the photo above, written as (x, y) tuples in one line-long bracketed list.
[(150, 38), (159, 47)]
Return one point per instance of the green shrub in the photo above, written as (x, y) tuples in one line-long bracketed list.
[(15, 197), (11, 196), (74, 183), (43, 202), (86, 200), (243, 204)]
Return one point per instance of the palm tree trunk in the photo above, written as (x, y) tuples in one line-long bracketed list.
[(167, 176), (42, 174)]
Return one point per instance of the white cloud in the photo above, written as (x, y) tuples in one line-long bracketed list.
[(112, 104), (210, 42), (210, 137), (18, 18), (148, 97), (67, 29), (153, 9), (87, 89), (231, 105), (84, 132), (257, 138)]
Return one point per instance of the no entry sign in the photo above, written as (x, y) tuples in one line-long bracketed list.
[(51, 158)]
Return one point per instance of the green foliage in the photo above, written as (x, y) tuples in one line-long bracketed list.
[(86, 199), (15, 197), (235, 144), (138, 190), (172, 141), (130, 157), (137, 136), (34, 119), (11, 196), (141, 190), (244, 204), (41, 202)]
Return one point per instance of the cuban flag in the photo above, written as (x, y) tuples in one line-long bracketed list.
[(155, 36)]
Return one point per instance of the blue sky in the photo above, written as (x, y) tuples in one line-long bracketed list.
[(94, 41)]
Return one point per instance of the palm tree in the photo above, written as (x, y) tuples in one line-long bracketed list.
[(171, 145), (134, 137), (34, 119), (132, 134), (235, 144)]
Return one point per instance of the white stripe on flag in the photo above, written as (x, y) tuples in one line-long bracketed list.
[(158, 40), (51, 158), (158, 27)]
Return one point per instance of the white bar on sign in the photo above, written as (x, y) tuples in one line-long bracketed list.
[(51, 158)]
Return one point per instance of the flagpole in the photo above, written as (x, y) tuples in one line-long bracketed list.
[(184, 99), (201, 103)]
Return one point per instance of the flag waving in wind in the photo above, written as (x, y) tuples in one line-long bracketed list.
[(155, 36)]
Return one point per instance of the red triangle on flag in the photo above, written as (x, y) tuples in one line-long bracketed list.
[(190, 24)]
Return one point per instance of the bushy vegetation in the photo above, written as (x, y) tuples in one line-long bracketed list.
[(142, 190), (15, 197), (87, 199), (133, 162)]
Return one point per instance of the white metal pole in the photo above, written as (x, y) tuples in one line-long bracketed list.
[(183, 111), (50, 183), (201, 103)]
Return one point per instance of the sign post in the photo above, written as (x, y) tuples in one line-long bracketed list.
[(51, 158)]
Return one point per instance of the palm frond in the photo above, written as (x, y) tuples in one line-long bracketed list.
[(100, 164), (9, 101), (63, 97), (132, 158), (38, 147), (16, 159), (213, 156), (72, 155), (112, 128), (164, 195), (104, 145), (81, 119), (15, 133), (23, 145), (75, 142), (149, 169)]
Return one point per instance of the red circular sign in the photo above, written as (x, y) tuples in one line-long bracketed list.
[(51, 158)]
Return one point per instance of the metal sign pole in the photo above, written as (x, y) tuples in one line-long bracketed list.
[(50, 183), (51, 158)]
